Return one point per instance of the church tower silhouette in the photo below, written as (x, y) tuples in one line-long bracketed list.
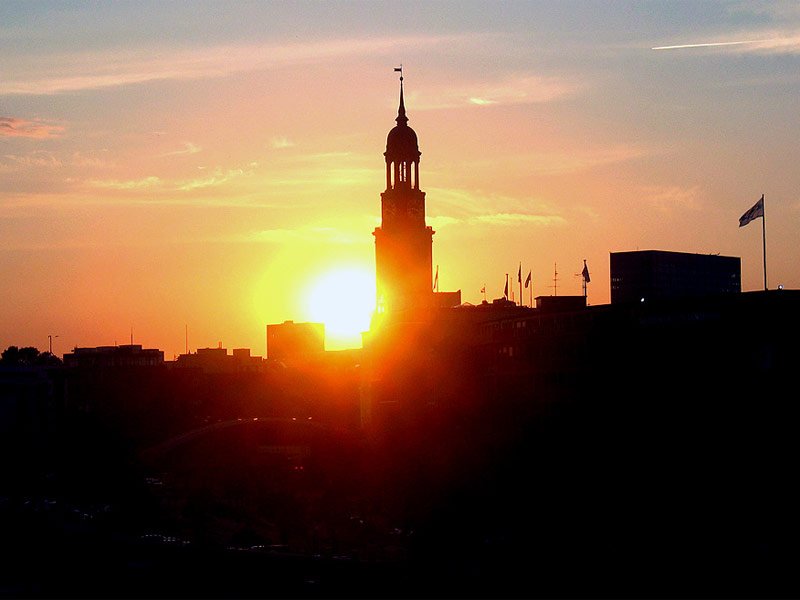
[(403, 242)]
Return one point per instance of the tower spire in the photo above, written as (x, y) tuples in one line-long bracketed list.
[(401, 111)]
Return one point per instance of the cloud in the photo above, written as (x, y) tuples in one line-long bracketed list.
[(442, 221), (475, 208), (79, 159), (582, 159), (218, 177), (132, 184), (40, 159), (15, 127), (672, 198), (188, 148), (515, 89), (55, 74), (500, 219), (324, 169), (281, 142), (507, 219), (326, 235)]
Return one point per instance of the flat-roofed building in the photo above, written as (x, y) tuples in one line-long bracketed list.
[(127, 355), (658, 274), (289, 341)]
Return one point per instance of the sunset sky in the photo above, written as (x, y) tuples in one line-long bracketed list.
[(206, 166)]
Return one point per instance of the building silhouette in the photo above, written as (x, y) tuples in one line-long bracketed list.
[(657, 274), (127, 355), (217, 360), (290, 341)]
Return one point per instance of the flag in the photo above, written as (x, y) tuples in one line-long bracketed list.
[(528, 279), (436, 279), (483, 290), (398, 69), (505, 291), (756, 211), (585, 272), (519, 273)]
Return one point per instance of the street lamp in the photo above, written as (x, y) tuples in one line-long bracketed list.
[(50, 337)]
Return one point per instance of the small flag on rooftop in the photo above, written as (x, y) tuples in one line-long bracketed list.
[(585, 272), (528, 279)]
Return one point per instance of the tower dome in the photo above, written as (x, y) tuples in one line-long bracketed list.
[(401, 143)]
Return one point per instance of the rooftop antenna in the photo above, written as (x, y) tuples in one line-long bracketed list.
[(555, 280)]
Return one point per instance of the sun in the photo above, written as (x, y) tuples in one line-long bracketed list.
[(344, 300)]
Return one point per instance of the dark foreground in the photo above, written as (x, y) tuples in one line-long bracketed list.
[(584, 500)]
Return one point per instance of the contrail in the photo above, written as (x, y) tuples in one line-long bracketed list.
[(706, 45)]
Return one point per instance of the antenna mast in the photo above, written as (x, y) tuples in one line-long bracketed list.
[(555, 280)]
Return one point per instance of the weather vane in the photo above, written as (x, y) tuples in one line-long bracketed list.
[(399, 70)]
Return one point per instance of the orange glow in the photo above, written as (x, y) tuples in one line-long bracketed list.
[(344, 300)]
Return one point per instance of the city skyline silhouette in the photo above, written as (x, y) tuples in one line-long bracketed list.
[(211, 181)]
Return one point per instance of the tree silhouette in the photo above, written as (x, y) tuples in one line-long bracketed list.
[(27, 356)]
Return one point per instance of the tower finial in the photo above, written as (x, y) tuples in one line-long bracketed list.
[(401, 111)]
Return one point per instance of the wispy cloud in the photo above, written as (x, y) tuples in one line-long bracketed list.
[(510, 219), (502, 219), (463, 207), (440, 221), (188, 148), (15, 127), (324, 168), (218, 177), (672, 198), (516, 89), (281, 142), (11, 163), (80, 159), (561, 163), (56, 74), (465, 203), (131, 184), (325, 235)]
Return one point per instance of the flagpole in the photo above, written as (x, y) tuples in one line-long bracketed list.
[(519, 279), (764, 237)]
